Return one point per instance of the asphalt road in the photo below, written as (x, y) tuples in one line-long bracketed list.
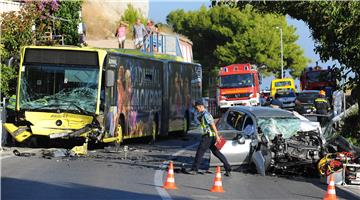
[(137, 174)]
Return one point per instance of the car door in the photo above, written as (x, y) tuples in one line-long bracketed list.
[(236, 152)]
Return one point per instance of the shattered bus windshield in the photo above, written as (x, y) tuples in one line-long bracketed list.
[(53, 87)]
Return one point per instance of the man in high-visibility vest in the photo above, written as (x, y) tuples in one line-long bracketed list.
[(322, 106), (209, 136)]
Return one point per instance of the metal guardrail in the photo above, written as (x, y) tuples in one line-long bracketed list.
[(164, 44)]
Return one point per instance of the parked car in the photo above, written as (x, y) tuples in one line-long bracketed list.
[(269, 139), (305, 101), (287, 98), (265, 98)]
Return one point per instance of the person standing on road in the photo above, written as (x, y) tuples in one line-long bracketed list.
[(82, 33), (209, 137), (150, 29), (276, 103), (121, 34), (322, 106), (337, 99), (139, 34)]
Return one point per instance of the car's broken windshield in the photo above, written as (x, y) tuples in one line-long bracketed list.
[(276, 126), (59, 88)]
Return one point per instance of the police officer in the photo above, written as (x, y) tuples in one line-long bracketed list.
[(208, 139), (322, 106)]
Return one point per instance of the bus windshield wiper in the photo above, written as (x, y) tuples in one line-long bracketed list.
[(82, 111)]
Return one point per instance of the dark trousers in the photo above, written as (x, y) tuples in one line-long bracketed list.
[(322, 119), (206, 143)]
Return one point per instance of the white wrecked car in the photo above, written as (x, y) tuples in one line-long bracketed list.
[(269, 139)]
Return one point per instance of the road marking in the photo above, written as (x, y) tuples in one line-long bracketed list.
[(5, 157), (159, 175)]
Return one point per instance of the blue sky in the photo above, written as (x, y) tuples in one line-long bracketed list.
[(159, 9)]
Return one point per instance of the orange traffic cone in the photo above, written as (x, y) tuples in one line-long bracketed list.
[(330, 194), (170, 179), (217, 182)]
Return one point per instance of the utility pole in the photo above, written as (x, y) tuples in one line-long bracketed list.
[(282, 51)]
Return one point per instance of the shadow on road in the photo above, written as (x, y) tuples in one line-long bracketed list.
[(340, 193), (32, 190)]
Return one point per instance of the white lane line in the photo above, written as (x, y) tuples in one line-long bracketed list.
[(4, 157), (159, 175)]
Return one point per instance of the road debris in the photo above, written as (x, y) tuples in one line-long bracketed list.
[(24, 154), (55, 153)]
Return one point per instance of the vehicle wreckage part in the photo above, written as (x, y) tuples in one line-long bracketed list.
[(298, 151), (118, 139), (258, 159), (80, 150), (76, 133), (334, 162), (19, 133), (351, 173)]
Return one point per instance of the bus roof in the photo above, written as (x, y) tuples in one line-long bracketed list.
[(282, 79), (134, 52), (66, 47)]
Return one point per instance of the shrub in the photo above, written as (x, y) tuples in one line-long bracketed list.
[(351, 127)]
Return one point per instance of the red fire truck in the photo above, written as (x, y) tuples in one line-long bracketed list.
[(238, 85), (318, 79)]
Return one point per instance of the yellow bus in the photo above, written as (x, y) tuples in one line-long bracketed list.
[(105, 95), (282, 84)]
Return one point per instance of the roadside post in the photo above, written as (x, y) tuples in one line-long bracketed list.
[(2, 120)]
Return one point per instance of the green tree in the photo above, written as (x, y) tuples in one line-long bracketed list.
[(16, 31), (224, 35), (68, 20), (334, 26), (131, 14)]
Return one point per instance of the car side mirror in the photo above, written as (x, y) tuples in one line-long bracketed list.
[(240, 139)]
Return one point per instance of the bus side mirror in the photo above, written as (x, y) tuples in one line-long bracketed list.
[(13, 62), (110, 78)]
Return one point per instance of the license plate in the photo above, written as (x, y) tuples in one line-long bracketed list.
[(308, 110), (358, 176)]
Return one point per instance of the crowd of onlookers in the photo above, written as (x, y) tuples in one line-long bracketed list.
[(140, 34)]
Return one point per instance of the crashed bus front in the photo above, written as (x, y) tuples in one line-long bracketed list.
[(58, 93)]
